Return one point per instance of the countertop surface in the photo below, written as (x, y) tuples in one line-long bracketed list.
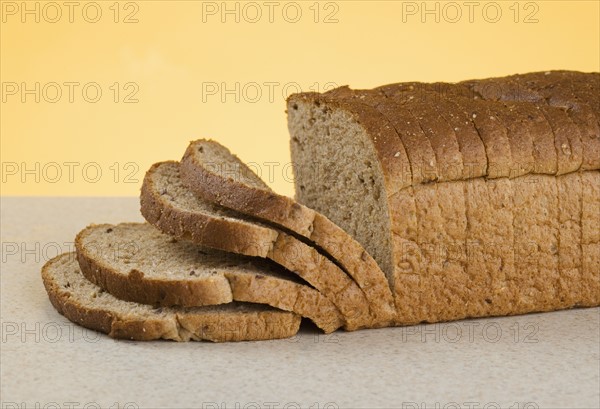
[(534, 361)]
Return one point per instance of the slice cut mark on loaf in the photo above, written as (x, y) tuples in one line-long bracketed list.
[(516, 140), (536, 239), (458, 100), (519, 138), (445, 249), (437, 226), (431, 142), (150, 267), (590, 234), (442, 138), (470, 144), (488, 144), (564, 93), (526, 106), (442, 96), (567, 139), (86, 304), (202, 170), (174, 209), (570, 190), (559, 93), (493, 134), (539, 150)]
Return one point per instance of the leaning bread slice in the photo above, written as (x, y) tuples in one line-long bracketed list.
[(136, 262), (173, 208), (213, 173), (88, 305)]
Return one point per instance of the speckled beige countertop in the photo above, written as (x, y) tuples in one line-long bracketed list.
[(534, 361)]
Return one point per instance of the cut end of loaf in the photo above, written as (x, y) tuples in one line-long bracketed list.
[(337, 173)]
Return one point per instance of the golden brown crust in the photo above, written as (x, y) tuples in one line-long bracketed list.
[(526, 116), (469, 142), (288, 296), (418, 148), (570, 91), (539, 101), (326, 277), (442, 138), (493, 138)]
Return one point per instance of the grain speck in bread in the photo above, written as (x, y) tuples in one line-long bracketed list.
[(88, 305)]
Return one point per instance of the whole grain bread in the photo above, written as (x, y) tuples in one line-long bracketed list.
[(136, 262), (172, 207), (486, 243), (214, 174), (88, 305)]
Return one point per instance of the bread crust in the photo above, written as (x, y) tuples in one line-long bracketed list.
[(570, 91), (546, 97), (183, 326)]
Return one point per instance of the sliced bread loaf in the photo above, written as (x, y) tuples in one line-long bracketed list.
[(478, 246), (88, 305), (172, 207), (136, 262), (213, 173)]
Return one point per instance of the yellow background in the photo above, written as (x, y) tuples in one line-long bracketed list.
[(170, 52)]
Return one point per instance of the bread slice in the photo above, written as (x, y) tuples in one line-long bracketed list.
[(136, 262), (213, 173), (172, 207), (88, 305)]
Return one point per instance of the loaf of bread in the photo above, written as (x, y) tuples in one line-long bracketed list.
[(414, 203), (478, 198)]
